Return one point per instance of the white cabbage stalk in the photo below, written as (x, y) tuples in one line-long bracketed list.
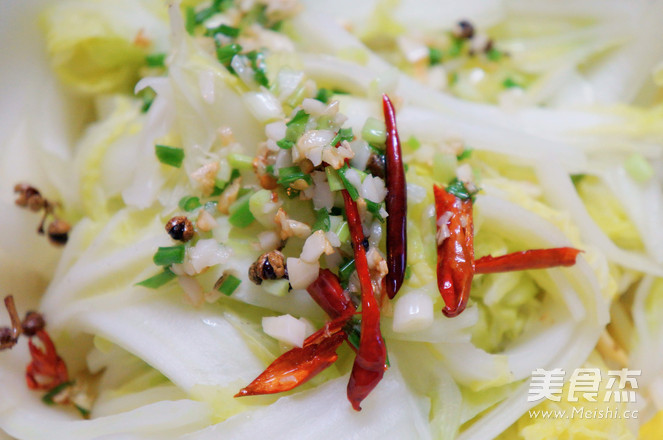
[(285, 328), (413, 311)]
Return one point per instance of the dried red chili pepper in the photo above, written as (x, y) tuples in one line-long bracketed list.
[(299, 365), (455, 252), (530, 259), (369, 364), (396, 203), (328, 293), (47, 370)]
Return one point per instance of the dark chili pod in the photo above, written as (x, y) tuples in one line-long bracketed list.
[(455, 250), (525, 260), (326, 290), (396, 203), (369, 364)]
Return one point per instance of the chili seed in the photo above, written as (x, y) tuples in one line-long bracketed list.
[(268, 266), (32, 323)]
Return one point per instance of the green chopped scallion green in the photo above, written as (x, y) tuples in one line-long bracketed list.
[(48, 397), (322, 221), (165, 256), (374, 208), (509, 83), (240, 161), (344, 134), (189, 203), (155, 59), (285, 144), (172, 156), (190, 20), (494, 54), (456, 47), (346, 183), (288, 175), (576, 178), (323, 95), (413, 143), (374, 131), (159, 279), (346, 269), (226, 53), (458, 189), (229, 284), (434, 56), (240, 213), (335, 182), (224, 29), (204, 14), (408, 272), (466, 154)]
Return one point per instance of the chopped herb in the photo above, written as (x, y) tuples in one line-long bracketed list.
[(159, 279), (220, 185), (296, 126), (204, 14), (343, 232), (346, 183), (494, 54), (353, 330), (344, 134), (155, 59), (434, 56), (240, 161), (323, 95), (226, 53), (291, 193), (83, 411), (322, 221), (576, 178), (48, 397), (340, 92), (285, 144), (458, 189), (346, 269), (147, 95), (229, 284), (413, 143), (456, 47), (288, 175), (257, 63), (466, 154), (189, 203), (224, 29), (240, 214), (509, 83), (165, 256), (269, 169), (335, 182), (408, 272), (190, 18), (374, 208), (172, 156)]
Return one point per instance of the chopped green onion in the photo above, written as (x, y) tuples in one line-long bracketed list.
[(165, 256), (346, 183), (413, 143), (83, 411), (344, 134), (374, 208), (408, 272), (224, 29), (353, 330), (288, 175), (226, 53), (323, 95), (296, 126), (229, 284), (189, 203), (335, 182), (494, 55), (190, 23), (343, 232), (346, 269), (639, 168), (155, 59), (510, 83), (204, 14), (466, 154), (285, 144), (456, 47), (434, 56), (322, 221), (240, 161), (576, 178), (257, 64), (458, 189), (147, 95), (48, 397), (172, 156), (240, 213), (374, 131), (159, 279)]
